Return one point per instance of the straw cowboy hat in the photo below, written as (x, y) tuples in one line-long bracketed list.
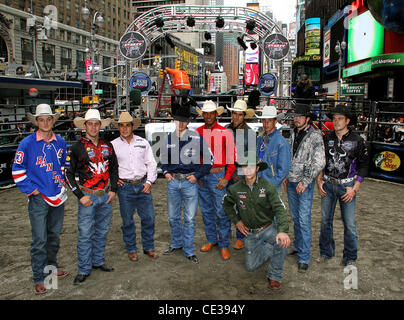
[(210, 106), (91, 114), (125, 117), (42, 109), (241, 106), (268, 112)]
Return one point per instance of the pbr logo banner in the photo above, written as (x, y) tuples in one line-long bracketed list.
[(276, 46), (267, 84), (133, 45), (140, 81)]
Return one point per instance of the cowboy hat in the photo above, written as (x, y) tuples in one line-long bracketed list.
[(241, 106), (344, 110), (42, 109), (302, 109), (246, 161), (209, 106), (125, 117), (91, 114), (268, 112)]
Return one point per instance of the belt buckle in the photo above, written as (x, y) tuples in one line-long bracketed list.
[(334, 181), (135, 182), (99, 192), (180, 176)]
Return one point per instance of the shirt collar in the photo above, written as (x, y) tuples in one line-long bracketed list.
[(39, 137)]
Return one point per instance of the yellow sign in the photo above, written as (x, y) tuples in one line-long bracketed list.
[(387, 161), (190, 61)]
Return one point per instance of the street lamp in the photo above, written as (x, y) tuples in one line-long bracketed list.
[(339, 48), (97, 22)]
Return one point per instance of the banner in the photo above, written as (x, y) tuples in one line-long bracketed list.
[(140, 81), (386, 162), (276, 46), (327, 49), (251, 74), (267, 84), (133, 45), (88, 71), (312, 36)]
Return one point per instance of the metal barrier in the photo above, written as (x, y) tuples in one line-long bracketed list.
[(380, 123)]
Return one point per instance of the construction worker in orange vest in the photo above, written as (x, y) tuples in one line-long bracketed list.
[(180, 81)]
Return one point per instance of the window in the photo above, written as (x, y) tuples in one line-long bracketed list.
[(48, 56), (67, 4), (23, 24), (66, 58), (80, 61), (26, 51), (106, 62)]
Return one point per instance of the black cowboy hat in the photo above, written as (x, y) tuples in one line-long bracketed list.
[(181, 112), (344, 110), (301, 109)]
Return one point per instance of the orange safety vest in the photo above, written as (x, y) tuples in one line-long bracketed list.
[(181, 80)]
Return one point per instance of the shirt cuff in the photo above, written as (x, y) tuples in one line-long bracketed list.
[(359, 179)]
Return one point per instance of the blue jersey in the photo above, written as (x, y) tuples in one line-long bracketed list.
[(40, 165)]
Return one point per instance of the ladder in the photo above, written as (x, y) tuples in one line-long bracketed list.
[(158, 103)]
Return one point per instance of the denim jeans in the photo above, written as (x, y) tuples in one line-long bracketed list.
[(93, 225), (262, 246), (46, 225), (132, 198), (217, 225), (182, 234), (328, 204), (300, 210)]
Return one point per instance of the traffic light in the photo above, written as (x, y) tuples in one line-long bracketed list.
[(336, 95), (161, 73), (177, 64)]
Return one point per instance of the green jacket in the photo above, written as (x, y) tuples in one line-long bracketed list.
[(257, 207)]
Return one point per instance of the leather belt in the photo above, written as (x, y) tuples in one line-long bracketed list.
[(258, 230), (181, 176), (336, 181), (134, 182), (216, 170), (98, 192)]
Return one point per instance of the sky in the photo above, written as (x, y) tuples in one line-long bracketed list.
[(283, 10)]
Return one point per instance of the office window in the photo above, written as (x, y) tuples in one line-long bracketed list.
[(26, 50), (66, 58), (80, 61), (48, 56)]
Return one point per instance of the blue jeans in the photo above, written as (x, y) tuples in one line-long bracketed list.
[(262, 246), (93, 225), (182, 234), (328, 204), (217, 225), (46, 225), (132, 198), (300, 210)]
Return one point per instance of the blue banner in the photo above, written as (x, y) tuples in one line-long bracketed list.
[(140, 81), (267, 84)]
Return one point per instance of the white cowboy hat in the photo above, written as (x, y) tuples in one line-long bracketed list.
[(269, 112), (125, 117), (209, 106), (91, 114), (42, 109), (241, 106)]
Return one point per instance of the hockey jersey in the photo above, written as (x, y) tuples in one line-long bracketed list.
[(40, 165)]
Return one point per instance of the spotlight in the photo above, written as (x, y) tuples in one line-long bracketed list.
[(219, 22), (159, 22), (207, 36), (169, 41), (241, 43), (253, 45), (158, 47), (250, 25), (190, 21)]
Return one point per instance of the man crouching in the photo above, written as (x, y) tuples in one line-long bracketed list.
[(258, 202)]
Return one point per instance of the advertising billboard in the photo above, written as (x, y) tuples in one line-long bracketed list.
[(313, 36), (251, 74), (251, 55), (365, 37)]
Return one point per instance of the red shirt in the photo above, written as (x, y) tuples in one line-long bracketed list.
[(221, 143)]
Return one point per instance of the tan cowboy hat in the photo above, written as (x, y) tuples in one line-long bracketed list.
[(209, 106), (42, 109), (241, 106), (125, 117), (91, 114), (268, 112)]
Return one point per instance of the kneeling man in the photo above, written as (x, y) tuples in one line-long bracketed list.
[(258, 202)]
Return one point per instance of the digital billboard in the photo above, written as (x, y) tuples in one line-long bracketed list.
[(365, 37), (313, 36)]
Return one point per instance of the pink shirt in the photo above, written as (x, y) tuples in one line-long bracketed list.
[(135, 159)]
